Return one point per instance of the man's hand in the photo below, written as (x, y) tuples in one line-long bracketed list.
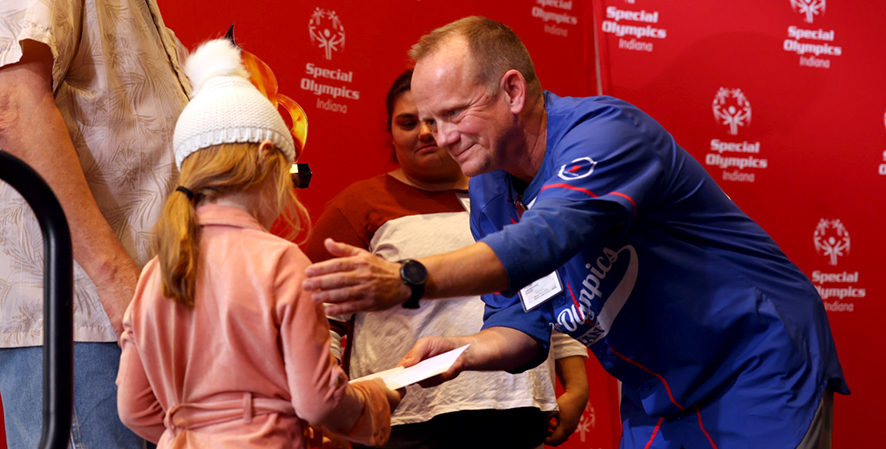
[(430, 346), (357, 281), (495, 348)]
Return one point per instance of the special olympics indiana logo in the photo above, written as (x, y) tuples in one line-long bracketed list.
[(809, 8), (831, 240), (731, 108), (326, 31), (587, 422)]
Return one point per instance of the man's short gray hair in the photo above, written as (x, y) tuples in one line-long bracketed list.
[(494, 49)]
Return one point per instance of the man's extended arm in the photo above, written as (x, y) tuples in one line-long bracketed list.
[(32, 129), (360, 281), (492, 349)]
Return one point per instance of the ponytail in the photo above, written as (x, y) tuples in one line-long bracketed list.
[(177, 242), (207, 174)]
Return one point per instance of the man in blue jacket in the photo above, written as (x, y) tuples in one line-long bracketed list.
[(591, 220)]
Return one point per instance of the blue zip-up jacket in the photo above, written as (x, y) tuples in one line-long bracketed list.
[(719, 340)]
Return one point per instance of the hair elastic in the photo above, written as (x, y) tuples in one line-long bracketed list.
[(186, 191)]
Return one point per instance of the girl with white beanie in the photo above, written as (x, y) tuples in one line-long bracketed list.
[(221, 347)]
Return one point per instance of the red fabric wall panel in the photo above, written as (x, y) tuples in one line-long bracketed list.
[(783, 102), (346, 137)]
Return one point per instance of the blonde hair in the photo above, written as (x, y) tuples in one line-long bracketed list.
[(494, 49), (210, 173)]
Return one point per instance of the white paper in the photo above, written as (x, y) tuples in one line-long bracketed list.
[(400, 377)]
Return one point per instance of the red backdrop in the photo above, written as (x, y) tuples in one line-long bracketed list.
[(784, 103), (782, 100), (346, 138)]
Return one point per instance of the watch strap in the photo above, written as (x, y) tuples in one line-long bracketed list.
[(413, 274)]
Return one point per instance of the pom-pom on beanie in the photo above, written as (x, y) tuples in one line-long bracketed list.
[(225, 107)]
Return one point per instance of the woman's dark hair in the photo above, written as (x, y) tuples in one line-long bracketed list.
[(403, 83)]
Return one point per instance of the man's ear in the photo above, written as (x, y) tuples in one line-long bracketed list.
[(514, 86)]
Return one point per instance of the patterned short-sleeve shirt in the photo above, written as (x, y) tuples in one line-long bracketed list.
[(119, 86)]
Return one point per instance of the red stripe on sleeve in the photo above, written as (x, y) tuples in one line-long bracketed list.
[(589, 193), (570, 187), (633, 203)]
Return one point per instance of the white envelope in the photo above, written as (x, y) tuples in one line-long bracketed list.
[(400, 377)]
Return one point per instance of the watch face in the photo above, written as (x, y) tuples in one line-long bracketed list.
[(414, 273)]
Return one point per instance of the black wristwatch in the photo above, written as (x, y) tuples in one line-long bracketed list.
[(413, 274)]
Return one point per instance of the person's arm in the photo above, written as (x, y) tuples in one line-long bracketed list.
[(32, 129), (321, 393), (492, 349), (574, 378), (569, 364), (359, 281), (137, 404)]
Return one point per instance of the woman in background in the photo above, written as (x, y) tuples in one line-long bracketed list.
[(420, 209)]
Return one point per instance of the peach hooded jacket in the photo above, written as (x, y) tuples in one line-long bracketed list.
[(249, 366)]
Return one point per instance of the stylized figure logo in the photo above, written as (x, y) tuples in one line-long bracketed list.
[(327, 32), (831, 239), (577, 169), (731, 108), (809, 8), (587, 422)]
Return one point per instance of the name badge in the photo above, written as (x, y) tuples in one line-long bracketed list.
[(540, 291)]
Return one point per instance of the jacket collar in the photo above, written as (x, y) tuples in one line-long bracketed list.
[(215, 214)]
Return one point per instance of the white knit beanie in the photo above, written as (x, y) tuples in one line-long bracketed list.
[(225, 107)]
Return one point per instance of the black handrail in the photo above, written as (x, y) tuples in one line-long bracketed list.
[(58, 292)]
